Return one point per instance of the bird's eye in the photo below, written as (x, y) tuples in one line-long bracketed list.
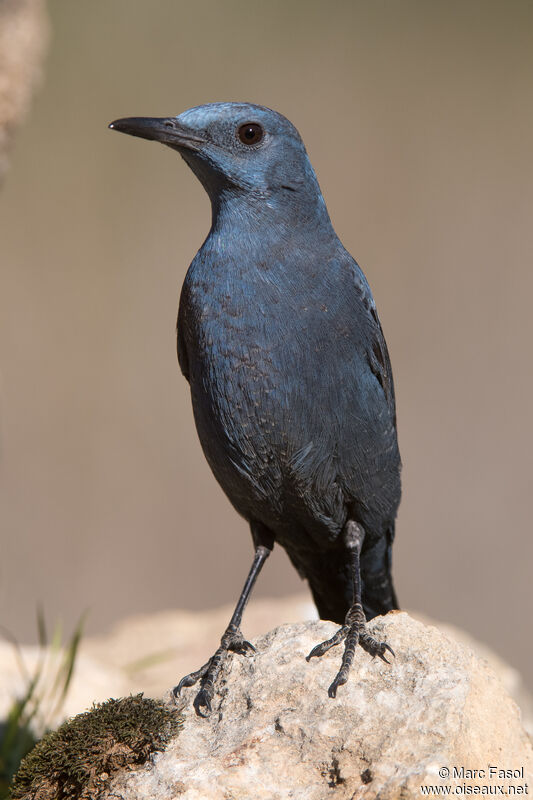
[(250, 133)]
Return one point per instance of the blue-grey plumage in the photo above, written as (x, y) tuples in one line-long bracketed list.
[(279, 338)]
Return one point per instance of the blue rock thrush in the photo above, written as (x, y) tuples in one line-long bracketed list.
[(289, 372)]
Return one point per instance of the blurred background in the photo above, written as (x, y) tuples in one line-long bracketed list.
[(418, 120)]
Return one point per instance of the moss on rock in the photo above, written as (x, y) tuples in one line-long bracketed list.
[(78, 759)]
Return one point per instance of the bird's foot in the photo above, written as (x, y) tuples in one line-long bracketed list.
[(353, 632), (232, 641)]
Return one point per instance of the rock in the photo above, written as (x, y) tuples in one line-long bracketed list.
[(148, 653), (275, 733), (509, 676), (23, 39), (156, 650)]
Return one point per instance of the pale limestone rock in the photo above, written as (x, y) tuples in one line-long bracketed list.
[(509, 676), (275, 733), (156, 650), (151, 652)]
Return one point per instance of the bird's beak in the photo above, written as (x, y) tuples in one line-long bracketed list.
[(161, 129)]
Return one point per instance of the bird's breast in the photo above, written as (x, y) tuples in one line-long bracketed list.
[(245, 346)]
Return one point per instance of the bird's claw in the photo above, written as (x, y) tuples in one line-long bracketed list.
[(353, 632), (232, 641), (242, 647), (315, 653), (203, 700), (339, 681), (375, 648), (383, 646), (207, 675), (186, 681), (318, 650), (323, 647), (190, 679)]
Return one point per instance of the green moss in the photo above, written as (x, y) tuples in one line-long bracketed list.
[(78, 759)]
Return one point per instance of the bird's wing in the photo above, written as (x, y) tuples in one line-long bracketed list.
[(375, 486), (344, 430), (183, 359), (377, 354), (379, 362)]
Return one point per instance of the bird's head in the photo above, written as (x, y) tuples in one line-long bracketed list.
[(237, 146)]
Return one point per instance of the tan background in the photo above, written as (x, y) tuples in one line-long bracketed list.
[(418, 119)]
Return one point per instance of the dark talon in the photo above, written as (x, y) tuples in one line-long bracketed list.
[(323, 647), (232, 641), (243, 648), (340, 680), (381, 652), (354, 633), (202, 699), (314, 652), (190, 679)]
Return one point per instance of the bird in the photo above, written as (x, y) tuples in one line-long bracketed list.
[(290, 377)]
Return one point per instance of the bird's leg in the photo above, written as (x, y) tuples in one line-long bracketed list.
[(353, 632), (232, 639)]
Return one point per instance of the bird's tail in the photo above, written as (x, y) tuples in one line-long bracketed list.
[(330, 580), (376, 565)]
